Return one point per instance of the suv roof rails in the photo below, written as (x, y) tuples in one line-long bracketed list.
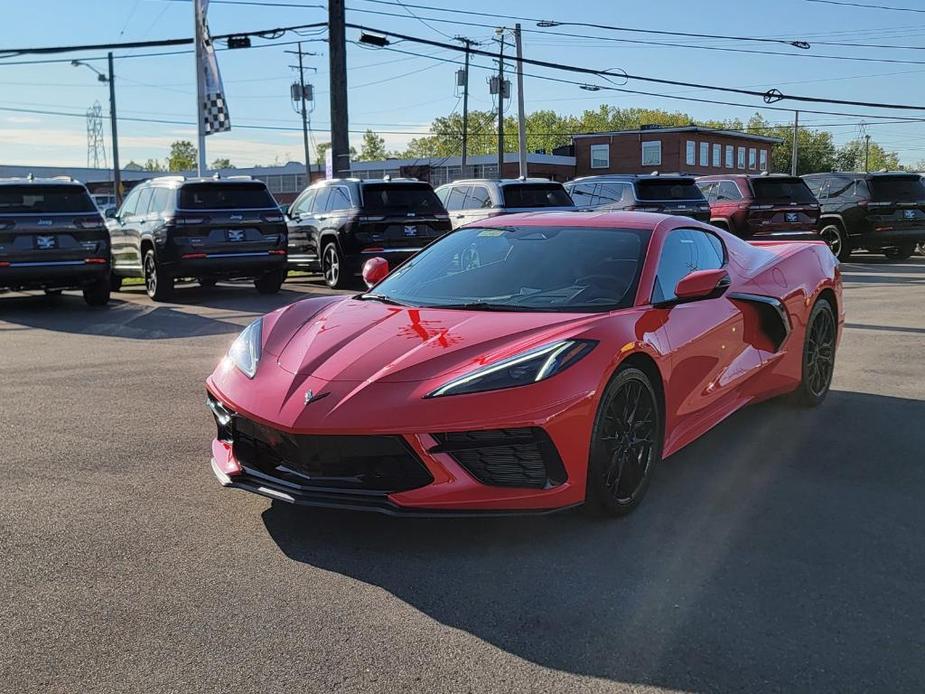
[(239, 177), (168, 178)]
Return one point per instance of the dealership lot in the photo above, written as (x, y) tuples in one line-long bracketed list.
[(781, 551)]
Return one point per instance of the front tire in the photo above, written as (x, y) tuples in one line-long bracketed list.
[(97, 294), (158, 284), (271, 282), (837, 240), (332, 266), (818, 355), (626, 444), (903, 252)]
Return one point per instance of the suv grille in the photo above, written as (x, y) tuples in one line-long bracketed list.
[(372, 463), (523, 457)]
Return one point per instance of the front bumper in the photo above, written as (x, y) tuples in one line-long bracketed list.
[(63, 274)]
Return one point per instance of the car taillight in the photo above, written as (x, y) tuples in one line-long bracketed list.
[(6, 224), (277, 252), (704, 208), (185, 221), (95, 261), (640, 208), (760, 207), (89, 223), (370, 219), (3, 263), (194, 256), (273, 218)]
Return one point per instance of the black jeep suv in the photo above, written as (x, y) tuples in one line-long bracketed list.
[(654, 193), (52, 237), (204, 228), (880, 212), (336, 225)]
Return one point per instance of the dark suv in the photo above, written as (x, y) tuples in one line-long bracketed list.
[(880, 212), (664, 194), (205, 228), (52, 237), (472, 200), (336, 225), (762, 205)]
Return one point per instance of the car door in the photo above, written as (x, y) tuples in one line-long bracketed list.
[(301, 225), (478, 204), (455, 204), (710, 355), (117, 234), (137, 227)]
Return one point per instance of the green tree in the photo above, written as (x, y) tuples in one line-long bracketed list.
[(851, 156), (816, 149), (373, 147), (153, 165), (182, 157), (222, 163)]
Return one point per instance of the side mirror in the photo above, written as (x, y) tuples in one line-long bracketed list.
[(374, 271), (702, 284), (109, 213), (284, 209)]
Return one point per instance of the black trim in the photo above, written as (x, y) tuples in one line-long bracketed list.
[(779, 315)]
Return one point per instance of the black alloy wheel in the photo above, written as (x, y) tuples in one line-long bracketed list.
[(902, 252), (332, 266), (158, 284), (835, 237), (818, 355), (626, 444)]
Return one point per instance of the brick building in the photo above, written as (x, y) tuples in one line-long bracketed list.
[(690, 149)]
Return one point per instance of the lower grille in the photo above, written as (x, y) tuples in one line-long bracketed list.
[(370, 463), (524, 457)]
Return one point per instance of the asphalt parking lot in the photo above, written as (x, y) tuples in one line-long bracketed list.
[(784, 551)]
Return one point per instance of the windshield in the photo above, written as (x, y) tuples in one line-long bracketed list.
[(225, 196), (36, 199), (678, 189), (523, 269), (782, 190), (392, 198), (523, 195), (897, 189)]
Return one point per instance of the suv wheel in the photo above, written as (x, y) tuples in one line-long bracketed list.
[(97, 294), (115, 282), (271, 282), (903, 252), (838, 242), (158, 284), (332, 266)]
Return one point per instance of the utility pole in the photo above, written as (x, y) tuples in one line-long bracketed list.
[(116, 173), (337, 41), (795, 153), (867, 154), (465, 124), (201, 167), (302, 95), (521, 126), (501, 107)]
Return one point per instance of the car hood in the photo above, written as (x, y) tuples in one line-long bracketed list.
[(357, 341)]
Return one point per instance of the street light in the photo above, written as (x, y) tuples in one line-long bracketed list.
[(111, 80)]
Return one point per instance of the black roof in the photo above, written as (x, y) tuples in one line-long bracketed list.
[(862, 174), (636, 177)]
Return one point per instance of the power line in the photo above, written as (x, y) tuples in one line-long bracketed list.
[(770, 96), (859, 4)]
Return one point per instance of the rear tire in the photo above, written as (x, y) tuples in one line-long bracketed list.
[(53, 292), (818, 356), (158, 284), (332, 266), (626, 444), (115, 282), (97, 294), (903, 252), (271, 282), (837, 240), (207, 282)]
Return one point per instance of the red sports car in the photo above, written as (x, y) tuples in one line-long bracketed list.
[(525, 364)]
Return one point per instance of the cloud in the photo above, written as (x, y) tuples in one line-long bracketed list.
[(22, 120)]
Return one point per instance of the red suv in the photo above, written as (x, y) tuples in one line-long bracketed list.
[(764, 205)]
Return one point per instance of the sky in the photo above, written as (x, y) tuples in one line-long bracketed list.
[(399, 92)]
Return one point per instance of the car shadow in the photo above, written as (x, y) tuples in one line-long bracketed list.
[(780, 551)]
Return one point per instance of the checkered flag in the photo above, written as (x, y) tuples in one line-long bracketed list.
[(213, 109)]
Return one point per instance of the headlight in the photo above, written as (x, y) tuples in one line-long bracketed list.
[(520, 370), (245, 350)]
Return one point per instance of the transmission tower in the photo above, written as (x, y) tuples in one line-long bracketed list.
[(96, 150)]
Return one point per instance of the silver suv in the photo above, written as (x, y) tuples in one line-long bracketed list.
[(472, 200)]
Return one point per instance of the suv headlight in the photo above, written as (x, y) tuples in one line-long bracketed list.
[(522, 369), (244, 352)]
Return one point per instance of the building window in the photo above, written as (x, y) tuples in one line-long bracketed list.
[(763, 158), (752, 158), (600, 156), (729, 157), (691, 158), (740, 157), (704, 153), (717, 156), (652, 153)]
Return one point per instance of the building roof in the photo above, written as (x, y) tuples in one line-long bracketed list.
[(684, 129)]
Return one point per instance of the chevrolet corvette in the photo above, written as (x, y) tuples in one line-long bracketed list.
[(526, 364)]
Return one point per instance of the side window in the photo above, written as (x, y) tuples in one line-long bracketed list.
[(582, 194), (144, 201), (160, 201), (322, 200), (129, 204), (685, 251), (841, 187), (456, 200), (727, 190), (709, 190), (340, 199), (815, 185), (304, 204), (441, 194), (478, 198), (861, 191), (611, 193)]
